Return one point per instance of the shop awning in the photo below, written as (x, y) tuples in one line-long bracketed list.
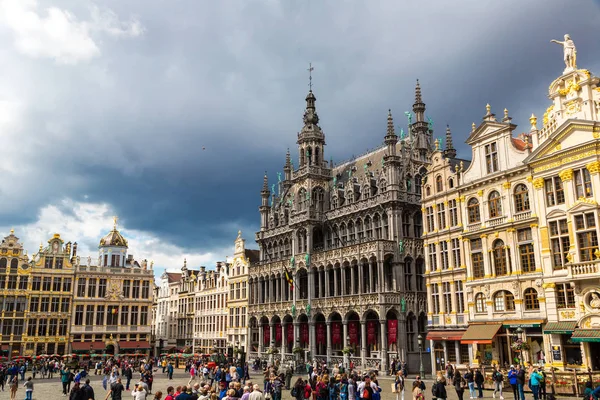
[(586, 335), (523, 323), (445, 335), (480, 334), (142, 344), (85, 346), (563, 327)]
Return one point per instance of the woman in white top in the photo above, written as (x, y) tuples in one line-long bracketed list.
[(138, 393)]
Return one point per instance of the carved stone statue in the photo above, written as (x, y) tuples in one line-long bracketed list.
[(403, 304), (594, 300), (89, 261), (569, 51)]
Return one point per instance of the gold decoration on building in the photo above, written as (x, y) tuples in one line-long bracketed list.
[(506, 185), (488, 108), (547, 114), (593, 167), (538, 183), (533, 122), (480, 193), (566, 175), (571, 86), (572, 107)]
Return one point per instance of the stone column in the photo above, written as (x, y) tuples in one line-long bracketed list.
[(335, 282), (381, 283), (327, 292), (312, 338), (343, 283), (283, 339), (328, 342), (345, 333), (320, 289), (371, 278), (457, 351), (352, 278), (401, 341), (384, 351), (363, 341), (311, 284), (272, 335), (445, 346), (261, 338), (360, 278), (296, 333)]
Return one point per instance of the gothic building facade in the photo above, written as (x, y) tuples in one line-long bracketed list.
[(348, 239)]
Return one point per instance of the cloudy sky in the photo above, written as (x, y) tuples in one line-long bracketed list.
[(167, 113)]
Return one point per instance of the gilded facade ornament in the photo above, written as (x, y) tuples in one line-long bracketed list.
[(547, 114), (506, 185), (566, 175), (593, 167), (480, 193)]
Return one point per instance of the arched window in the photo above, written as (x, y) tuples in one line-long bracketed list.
[(418, 184), (14, 264), (359, 229), (382, 186), (427, 191), (500, 268), (301, 199), (439, 184), (473, 211), (531, 299), (418, 224), (504, 301), (450, 183), (3, 263), (480, 303), (368, 227), (318, 199), (351, 232), (343, 234), (494, 204), (384, 220), (409, 183), (521, 198)]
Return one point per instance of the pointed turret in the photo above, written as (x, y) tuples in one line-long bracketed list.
[(450, 151), (311, 140), (264, 206), (420, 128), (391, 138), (391, 159)]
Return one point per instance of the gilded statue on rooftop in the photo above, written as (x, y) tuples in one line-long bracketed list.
[(570, 52)]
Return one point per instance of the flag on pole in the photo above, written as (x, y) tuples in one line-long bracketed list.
[(288, 278)]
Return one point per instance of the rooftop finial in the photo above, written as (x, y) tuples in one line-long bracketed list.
[(533, 121), (473, 127), (437, 143), (450, 151), (310, 70), (115, 220), (12, 231), (418, 93), (390, 124), (505, 113), (488, 109)]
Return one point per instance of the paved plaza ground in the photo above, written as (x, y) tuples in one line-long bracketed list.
[(51, 389)]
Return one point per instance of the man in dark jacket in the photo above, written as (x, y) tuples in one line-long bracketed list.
[(520, 381), (479, 382), (88, 390)]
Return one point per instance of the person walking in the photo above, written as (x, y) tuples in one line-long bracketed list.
[(512, 379), (498, 380), (470, 378), (65, 380), (438, 389), (399, 385), (535, 379), (14, 386), (520, 381), (28, 385), (116, 390), (479, 383), (459, 384), (88, 390)]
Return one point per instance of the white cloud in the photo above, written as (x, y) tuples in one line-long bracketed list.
[(58, 34), (86, 223)]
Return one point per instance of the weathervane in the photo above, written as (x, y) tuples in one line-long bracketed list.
[(310, 70)]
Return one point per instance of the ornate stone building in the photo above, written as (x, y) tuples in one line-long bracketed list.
[(210, 314), (349, 235), (528, 235), (184, 316), (165, 317), (15, 286), (112, 300), (237, 301), (50, 300)]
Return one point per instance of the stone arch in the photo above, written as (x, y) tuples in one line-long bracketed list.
[(303, 337), (354, 331), (337, 332), (392, 319), (373, 339), (302, 282)]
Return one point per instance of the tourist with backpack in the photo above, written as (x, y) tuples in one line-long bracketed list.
[(498, 380), (460, 384), (366, 388), (399, 386), (438, 389)]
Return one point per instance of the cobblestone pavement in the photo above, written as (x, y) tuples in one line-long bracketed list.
[(51, 389)]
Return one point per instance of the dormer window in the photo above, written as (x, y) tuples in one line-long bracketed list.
[(439, 185), (491, 158)]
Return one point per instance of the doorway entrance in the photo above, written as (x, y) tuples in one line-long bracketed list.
[(440, 362), (594, 354)]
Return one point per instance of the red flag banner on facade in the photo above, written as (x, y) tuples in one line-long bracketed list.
[(353, 332), (392, 330), (304, 333), (290, 333), (336, 333), (321, 334), (278, 333), (267, 335), (371, 332)]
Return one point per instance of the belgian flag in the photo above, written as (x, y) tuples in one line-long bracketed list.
[(288, 278)]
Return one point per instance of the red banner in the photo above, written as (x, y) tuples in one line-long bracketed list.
[(336, 333), (267, 335), (278, 333), (392, 330), (290, 333), (371, 332), (321, 334), (304, 333), (353, 332)]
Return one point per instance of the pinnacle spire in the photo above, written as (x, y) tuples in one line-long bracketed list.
[(418, 98), (390, 124), (288, 160), (450, 151), (265, 187)]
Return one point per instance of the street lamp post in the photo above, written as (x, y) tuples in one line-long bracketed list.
[(421, 368), (518, 336)]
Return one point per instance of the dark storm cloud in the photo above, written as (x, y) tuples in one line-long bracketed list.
[(175, 128)]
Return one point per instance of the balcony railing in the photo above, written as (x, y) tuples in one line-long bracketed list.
[(522, 216), (497, 221), (585, 268)]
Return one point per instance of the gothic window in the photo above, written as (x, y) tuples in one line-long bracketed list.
[(382, 186), (368, 227), (418, 184), (583, 183), (439, 184), (318, 199), (343, 234), (473, 211), (420, 272), (406, 224), (384, 219), (526, 253), (317, 156), (560, 243), (408, 274), (359, 229), (366, 191), (418, 224), (531, 299), (377, 224), (410, 331), (301, 199), (504, 301), (521, 198), (499, 256), (334, 202), (351, 232), (408, 183), (480, 303), (495, 205)]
